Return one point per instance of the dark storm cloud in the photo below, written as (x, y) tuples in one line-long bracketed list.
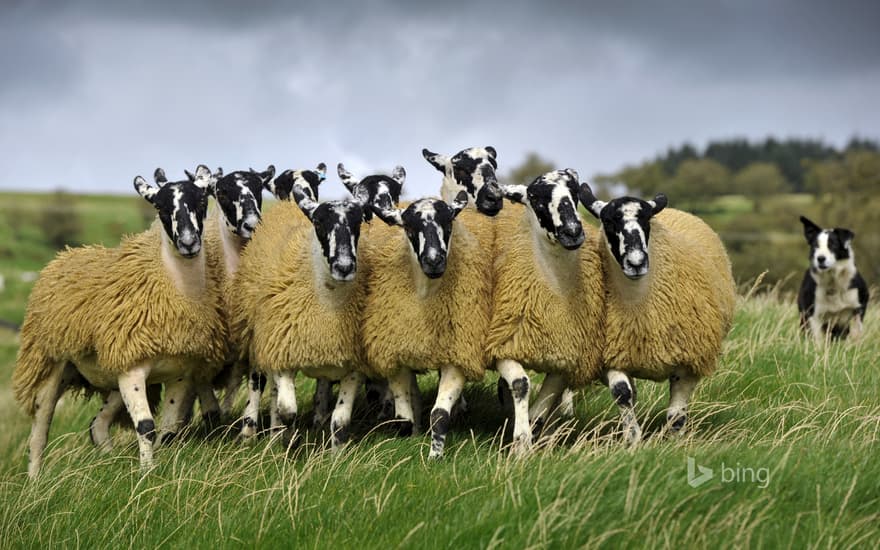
[(94, 92)]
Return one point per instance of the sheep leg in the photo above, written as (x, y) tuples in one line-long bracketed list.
[(518, 382), (209, 404), (681, 386), (133, 387), (174, 413), (566, 405), (623, 390), (415, 400), (44, 409), (460, 407), (400, 385), (230, 389), (284, 405), (448, 392), (856, 328), (321, 402), (99, 429), (548, 400), (256, 385), (341, 418)]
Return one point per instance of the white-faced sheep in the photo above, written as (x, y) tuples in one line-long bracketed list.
[(304, 304), (667, 322), (282, 224), (123, 318), (548, 309), (236, 215), (428, 306)]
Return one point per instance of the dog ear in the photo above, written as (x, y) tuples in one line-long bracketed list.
[(811, 230)]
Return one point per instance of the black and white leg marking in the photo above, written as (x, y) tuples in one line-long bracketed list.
[(518, 382), (256, 385), (681, 387), (415, 399), (99, 430), (133, 387), (178, 398), (401, 389), (623, 390), (448, 392), (547, 402), (341, 418), (47, 397), (284, 408)]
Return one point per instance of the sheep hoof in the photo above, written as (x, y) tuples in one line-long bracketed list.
[(676, 423), (167, 438), (435, 454), (405, 427), (632, 436)]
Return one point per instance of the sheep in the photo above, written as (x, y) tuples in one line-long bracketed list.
[(666, 323), (428, 306), (239, 205), (283, 223), (123, 318), (547, 300), (302, 305)]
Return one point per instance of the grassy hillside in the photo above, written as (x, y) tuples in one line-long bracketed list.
[(790, 432)]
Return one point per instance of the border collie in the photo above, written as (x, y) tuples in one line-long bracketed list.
[(833, 295)]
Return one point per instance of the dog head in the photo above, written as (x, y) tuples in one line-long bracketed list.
[(828, 247)]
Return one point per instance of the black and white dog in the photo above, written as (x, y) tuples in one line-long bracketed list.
[(833, 295)]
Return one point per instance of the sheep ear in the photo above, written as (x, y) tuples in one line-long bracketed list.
[(145, 190), (810, 229), (267, 174), (658, 204), (305, 203), (159, 177), (589, 200), (459, 203), (189, 175), (203, 176), (399, 174), (437, 161), (515, 193), (390, 216), (218, 173), (491, 150), (321, 170), (361, 195), (572, 173), (348, 180)]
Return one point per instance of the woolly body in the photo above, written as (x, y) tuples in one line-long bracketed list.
[(283, 320), (547, 320), (682, 310), (414, 322), (115, 308)]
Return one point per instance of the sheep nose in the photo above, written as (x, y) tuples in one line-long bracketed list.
[(821, 260), (493, 191), (187, 238), (345, 268), (636, 258), (573, 230)]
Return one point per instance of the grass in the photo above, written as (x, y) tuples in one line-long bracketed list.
[(810, 417)]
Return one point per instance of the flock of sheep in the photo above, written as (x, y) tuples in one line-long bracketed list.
[(198, 304)]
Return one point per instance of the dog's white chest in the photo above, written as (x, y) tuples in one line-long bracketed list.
[(835, 302)]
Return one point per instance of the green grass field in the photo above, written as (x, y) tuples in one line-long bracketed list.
[(790, 431)]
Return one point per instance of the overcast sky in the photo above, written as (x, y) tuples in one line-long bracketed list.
[(94, 93)]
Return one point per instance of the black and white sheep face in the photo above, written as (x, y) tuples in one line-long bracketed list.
[(428, 226), (553, 199), (240, 196), (306, 180), (338, 228), (383, 191), (182, 207), (626, 222), (828, 247), (474, 170)]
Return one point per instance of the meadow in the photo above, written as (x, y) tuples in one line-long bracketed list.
[(790, 432)]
